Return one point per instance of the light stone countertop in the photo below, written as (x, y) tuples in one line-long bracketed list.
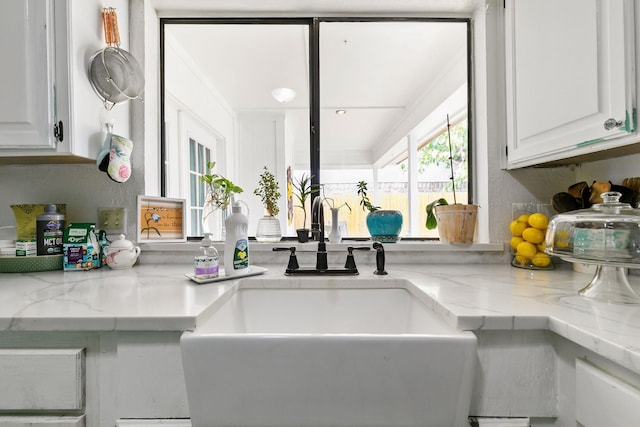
[(470, 297)]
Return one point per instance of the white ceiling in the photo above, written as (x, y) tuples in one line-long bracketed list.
[(388, 76)]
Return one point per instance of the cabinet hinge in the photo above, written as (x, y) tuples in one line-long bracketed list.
[(58, 131), (506, 150)]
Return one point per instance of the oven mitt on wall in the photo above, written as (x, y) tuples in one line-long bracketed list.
[(103, 157), (119, 167)]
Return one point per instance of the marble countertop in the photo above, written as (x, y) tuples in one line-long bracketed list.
[(470, 297)]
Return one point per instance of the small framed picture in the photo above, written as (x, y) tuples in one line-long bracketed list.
[(161, 219)]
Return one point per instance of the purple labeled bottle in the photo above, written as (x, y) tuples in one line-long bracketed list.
[(49, 231)]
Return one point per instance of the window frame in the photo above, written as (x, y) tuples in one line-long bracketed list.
[(314, 23)]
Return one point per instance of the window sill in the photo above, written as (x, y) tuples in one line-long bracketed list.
[(409, 246)]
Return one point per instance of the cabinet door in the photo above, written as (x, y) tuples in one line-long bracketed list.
[(604, 400), (569, 69), (26, 86), (44, 380), (45, 421)]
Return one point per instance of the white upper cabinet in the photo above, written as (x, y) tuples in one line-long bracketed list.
[(570, 77), (27, 110), (49, 112)]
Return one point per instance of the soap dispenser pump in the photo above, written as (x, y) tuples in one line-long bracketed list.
[(206, 260)]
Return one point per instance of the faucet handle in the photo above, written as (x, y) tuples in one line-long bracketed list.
[(379, 259), (293, 259), (351, 262)]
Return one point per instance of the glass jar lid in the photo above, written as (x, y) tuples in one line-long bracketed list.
[(607, 232)]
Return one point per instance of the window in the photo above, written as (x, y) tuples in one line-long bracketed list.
[(199, 157), (371, 98)]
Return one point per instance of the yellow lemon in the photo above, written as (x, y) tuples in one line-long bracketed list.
[(526, 249), (517, 227), (533, 235), (515, 241), (523, 218), (522, 260), (541, 260), (538, 220), (541, 246)]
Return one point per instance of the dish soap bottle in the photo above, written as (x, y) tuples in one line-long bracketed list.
[(205, 262), (236, 247)]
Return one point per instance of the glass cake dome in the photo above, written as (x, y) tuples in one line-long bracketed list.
[(607, 235)]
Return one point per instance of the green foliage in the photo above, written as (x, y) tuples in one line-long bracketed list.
[(304, 188), (220, 189), (365, 202), (268, 191), (431, 222), (436, 153)]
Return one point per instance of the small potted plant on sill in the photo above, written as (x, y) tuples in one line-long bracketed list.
[(303, 190), (383, 225), (456, 222), (219, 197), (335, 235), (269, 193)]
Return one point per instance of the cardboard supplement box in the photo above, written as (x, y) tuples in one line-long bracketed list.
[(81, 248)]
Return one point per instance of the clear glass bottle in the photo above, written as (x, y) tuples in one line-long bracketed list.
[(206, 260)]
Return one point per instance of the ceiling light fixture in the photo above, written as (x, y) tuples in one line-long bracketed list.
[(341, 112), (283, 94)]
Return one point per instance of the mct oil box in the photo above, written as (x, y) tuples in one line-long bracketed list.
[(80, 247)]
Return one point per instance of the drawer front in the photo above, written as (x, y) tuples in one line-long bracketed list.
[(42, 421), (42, 379), (604, 400)]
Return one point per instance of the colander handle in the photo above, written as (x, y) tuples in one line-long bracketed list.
[(110, 23)]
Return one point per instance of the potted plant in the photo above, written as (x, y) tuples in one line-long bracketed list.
[(303, 189), (456, 222), (383, 225), (220, 191), (269, 193), (335, 236)]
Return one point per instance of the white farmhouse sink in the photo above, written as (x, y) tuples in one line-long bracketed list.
[(327, 357)]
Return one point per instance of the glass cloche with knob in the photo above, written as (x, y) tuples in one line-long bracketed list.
[(606, 235)]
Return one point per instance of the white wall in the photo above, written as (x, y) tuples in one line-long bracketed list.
[(614, 170), (195, 95), (85, 189), (261, 142)]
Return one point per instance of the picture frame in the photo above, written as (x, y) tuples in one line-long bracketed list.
[(161, 219)]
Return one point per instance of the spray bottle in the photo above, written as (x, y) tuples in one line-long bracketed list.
[(236, 247), (205, 262)]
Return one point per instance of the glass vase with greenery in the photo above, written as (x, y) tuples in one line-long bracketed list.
[(220, 190), (219, 195)]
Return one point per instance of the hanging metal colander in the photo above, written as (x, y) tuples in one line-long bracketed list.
[(114, 73)]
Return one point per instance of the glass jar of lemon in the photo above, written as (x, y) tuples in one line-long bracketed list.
[(528, 228)]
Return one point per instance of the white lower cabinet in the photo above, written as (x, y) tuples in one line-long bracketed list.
[(45, 421), (153, 423), (41, 383), (42, 379), (603, 399)]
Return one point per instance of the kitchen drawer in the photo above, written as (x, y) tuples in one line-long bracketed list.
[(42, 379), (42, 421), (604, 400)]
